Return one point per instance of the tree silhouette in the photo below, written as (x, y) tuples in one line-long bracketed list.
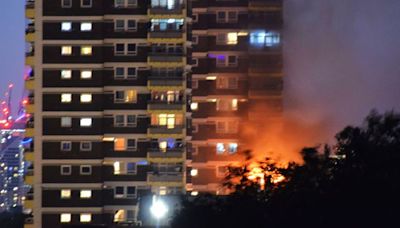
[(355, 183)]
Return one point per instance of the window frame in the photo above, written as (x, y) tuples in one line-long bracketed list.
[(86, 30), (65, 143), (87, 6), (81, 167), (81, 148), (63, 5), (65, 173)]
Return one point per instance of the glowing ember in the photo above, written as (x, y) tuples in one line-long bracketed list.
[(258, 174)]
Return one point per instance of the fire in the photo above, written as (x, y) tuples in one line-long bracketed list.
[(258, 174)]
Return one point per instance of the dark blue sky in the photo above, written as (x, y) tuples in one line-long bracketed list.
[(341, 57)]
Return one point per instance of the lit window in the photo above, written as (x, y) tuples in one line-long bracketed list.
[(65, 218), (220, 148), (65, 193), (86, 217), (117, 168), (86, 98), (86, 50), (194, 105), (85, 169), (86, 26), (66, 50), (66, 121), (232, 38), (233, 147), (234, 104), (119, 216), (163, 146), (66, 74), (119, 144), (227, 83), (263, 38), (66, 98), (65, 170), (86, 194), (131, 168), (131, 96), (86, 122), (66, 146), (66, 26), (194, 172), (86, 74)]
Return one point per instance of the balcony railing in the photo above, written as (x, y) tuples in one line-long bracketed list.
[(30, 4), (164, 178), (165, 130), (164, 105)]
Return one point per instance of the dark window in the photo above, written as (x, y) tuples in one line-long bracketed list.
[(119, 48), (131, 25), (119, 190), (119, 72), (131, 144), (66, 3), (131, 120), (131, 48), (131, 72), (86, 3)]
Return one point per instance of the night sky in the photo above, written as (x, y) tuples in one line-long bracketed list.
[(342, 57)]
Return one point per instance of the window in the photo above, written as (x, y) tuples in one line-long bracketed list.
[(194, 172), (65, 218), (194, 106), (66, 121), (86, 3), (125, 3), (131, 144), (227, 17), (66, 26), (86, 146), (131, 120), (66, 146), (65, 170), (85, 169), (86, 194), (232, 60), (131, 25), (168, 120), (66, 74), (66, 50), (130, 192), (195, 17), (263, 38), (227, 126), (119, 49), (86, 122), (232, 38), (119, 120), (131, 49), (119, 144), (128, 96), (86, 98), (195, 62), (86, 217), (131, 72), (232, 148), (66, 3), (223, 105), (119, 216), (86, 26), (119, 25), (234, 104), (65, 193), (227, 83), (220, 148), (66, 98), (221, 38), (119, 192), (119, 72), (86, 50), (131, 168), (86, 74)]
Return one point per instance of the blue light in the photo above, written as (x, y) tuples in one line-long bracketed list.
[(263, 38), (26, 141)]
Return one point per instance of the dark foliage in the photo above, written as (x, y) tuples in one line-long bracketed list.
[(356, 183)]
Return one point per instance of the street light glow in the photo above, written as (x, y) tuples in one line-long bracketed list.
[(158, 209)]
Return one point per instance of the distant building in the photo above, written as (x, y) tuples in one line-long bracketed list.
[(12, 188)]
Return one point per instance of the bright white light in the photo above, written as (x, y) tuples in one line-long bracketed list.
[(158, 209)]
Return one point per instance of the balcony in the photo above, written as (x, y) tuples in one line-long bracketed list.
[(166, 60), (162, 83), (165, 132), (167, 36), (29, 132), (29, 156), (28, 204), (29, 180), (174, 155), (174, 180), (159, 12), (166, 107), (30, 60), (30, 10), (30, 83)]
